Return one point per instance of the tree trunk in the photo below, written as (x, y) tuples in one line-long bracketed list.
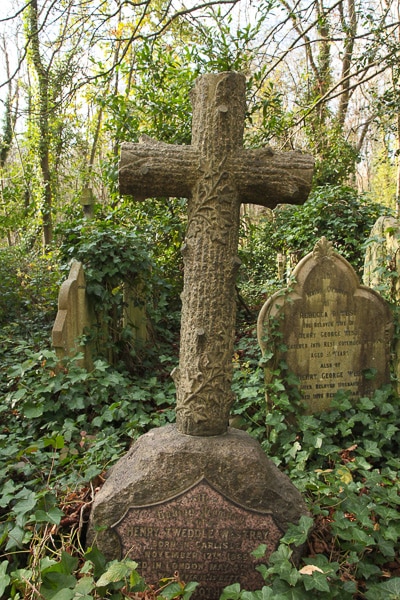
[(43, 123)]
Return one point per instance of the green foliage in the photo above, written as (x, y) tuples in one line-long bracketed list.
[(268, 117), (30, 286), (336, 156), (61, 427), (65, 577), (157, 101), (115, 256), (15, 212), (225, 45), (80, 409), (339, 213)]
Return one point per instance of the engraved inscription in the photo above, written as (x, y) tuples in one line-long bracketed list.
[(330, 348), (201, 534), (327, 357)]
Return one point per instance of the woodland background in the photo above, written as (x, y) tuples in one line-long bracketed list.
[(78, 78)]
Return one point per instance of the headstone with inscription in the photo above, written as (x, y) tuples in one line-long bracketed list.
[(197, 497), (335, 333)]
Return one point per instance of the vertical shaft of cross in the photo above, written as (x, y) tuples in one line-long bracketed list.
[(204, 395)]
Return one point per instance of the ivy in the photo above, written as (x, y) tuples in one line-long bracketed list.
[(339, 213), (62, 427)]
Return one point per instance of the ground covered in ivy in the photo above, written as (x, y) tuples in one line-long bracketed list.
[(62, 428)]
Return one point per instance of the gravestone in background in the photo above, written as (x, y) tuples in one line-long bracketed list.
[(336, 332), (198, 497), (382, 258), (76, 315), (88, 202), (73, 317), (382, 255)]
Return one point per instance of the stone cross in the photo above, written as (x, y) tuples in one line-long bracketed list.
[(216, 174)]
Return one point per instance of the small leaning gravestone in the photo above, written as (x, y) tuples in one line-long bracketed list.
[(333, 333), (74, 316), (198, 497)]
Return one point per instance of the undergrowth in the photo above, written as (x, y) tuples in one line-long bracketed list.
[(62, 428)]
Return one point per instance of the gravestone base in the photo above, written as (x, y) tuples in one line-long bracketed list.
[(196, 505)]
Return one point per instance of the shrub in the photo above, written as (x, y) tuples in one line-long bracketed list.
[(29, 287), (337, 212), (114, 256)]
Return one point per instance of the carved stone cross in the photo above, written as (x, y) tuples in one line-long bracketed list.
[(216, 174)]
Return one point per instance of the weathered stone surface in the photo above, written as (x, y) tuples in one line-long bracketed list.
[(199, 503), (88, 202), (196, 505), (73, 317), (337, 332), (216, 174)]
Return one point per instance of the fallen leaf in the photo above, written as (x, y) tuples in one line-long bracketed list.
[(309, 570)]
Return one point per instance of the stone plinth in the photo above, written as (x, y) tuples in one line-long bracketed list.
[(196, 505)]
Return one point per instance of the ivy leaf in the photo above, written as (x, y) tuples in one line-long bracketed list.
[(265, 593), (172, 590), (63, 594), (57, 586), (15, 538), (53, 515), (24, 505), (98, 560), (4, 578), (259, 552), (316, 581), (297, 534), (388, 590), (57, 442), (344, 474), (231, 592), (117, 571), (32, 410), (189, 589), (284, 591), (84, 586)]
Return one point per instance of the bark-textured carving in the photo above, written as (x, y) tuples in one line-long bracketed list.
[(216, 174)]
